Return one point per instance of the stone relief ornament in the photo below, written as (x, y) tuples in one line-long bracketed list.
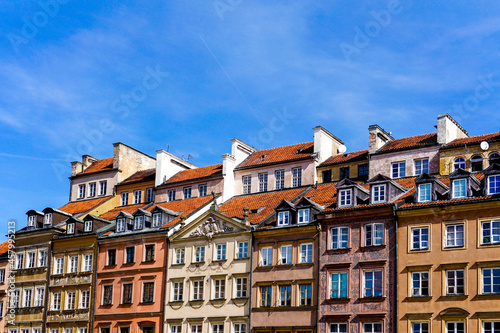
[(211, 227)]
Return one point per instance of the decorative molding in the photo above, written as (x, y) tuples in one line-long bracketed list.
[(211, 227)]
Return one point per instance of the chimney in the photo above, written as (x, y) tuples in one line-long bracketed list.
[(448, 129), (325, 144), (76, 168), (377, 138), (239, 152), (87, 161), (168, 165), (245, 216)]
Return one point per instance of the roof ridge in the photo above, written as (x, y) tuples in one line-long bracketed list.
[(294, 144), (413, 136)]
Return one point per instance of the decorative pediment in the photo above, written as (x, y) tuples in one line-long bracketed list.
[(211, 227)]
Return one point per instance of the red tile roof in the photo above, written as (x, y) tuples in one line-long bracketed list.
[(323, 194), (140, 176), (264, 203), (110, 215), (4, 247), (417, 141), (474, 140), (445, 202), (99, 165), (184, 207), (197, 173), (82, 206), (278, 155), (347, 157)]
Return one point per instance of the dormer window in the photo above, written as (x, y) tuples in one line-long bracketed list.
[(138, 222), (70, 229), (459, 163), (47, 218), (303, 215), (156, 220), (345, 198), (378, 193), (284, 218), (494, 184), (120, 225), (494, 158), (476, 163), (31, 220), (459, 188), (424, 192), (88, 226)]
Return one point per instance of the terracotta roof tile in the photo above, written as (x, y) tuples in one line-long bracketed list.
[(197, 173), (262, 203), (82, 206), (140, 176), (474, 139), (278, 155), (184, 207), (445, 202), (110, 215), (410, 142), (99, 165), (4, 247), (360, 155), (323, 194)]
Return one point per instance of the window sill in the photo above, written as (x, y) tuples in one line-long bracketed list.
[(107, 305), (128, 263), (178, 264), (148, 261), (126, 304), (488, 296), (451, 248), (245, 258), (418, 298), (263, 268), (219, 260), (420, 250), (284, 265), (305, 264), (337, 300), (372, 247), (372, 299), (454, 297), (489, 245), (110, 266), (147, 303), (341, 250)]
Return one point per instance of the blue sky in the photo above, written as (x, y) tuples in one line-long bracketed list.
[(77, 76)]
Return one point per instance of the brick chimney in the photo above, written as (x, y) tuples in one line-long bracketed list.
[(377, 138)]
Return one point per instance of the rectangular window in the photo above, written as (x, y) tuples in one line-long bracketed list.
[(179, 256), (81, 191), (171, 195), (56, 301), (19, 261), (37, 330), (338, 328), (30, 260), (156, 220), (2, 275), (240, 328), (242, 250), (221, 252), (84, 299), (87, 226), (491, 280), (284, 218), (120, 225), (491, 326), (266, 256), (39, 296), (127, 293), (199, 254), (178, 291), (372, 327), (265, 296), (31, 220), (81, 330), (124, 199), (262, 182), (362, 170), (303, 215), (218, 328), (196, 328), (59, 266), (424, 192), (148, 290), (87, 263), (198, 290), (102, 187), (202, 190), (138, 222), (286, 255), (175, 328), (493, 185), (459, 188), (14, 298), (306, 255), (420, 238), (42, 258), (28, 293), (372, 284), (345, 198), (378, 194), (70, 228), (107, 293), (374, 234), (327, 176), (70, 300), (454, 236), (285, 295), (111, 257), (455, 327), (421, 166), (130, 255), (47, 219), (398, 169), (280, 179), (296, 177), (241, 287), (73, 264), (149, 195), (340, 238), (219, 288), (491, 232), (305, 296), (187, 192), (92, 187), (338, 285), (455, 282), (247, 184), (420, 284), (420, 327), (343, 173)]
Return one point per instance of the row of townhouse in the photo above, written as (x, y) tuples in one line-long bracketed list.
[(301, 238)]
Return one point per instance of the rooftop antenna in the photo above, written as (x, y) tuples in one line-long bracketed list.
[(168, 148)]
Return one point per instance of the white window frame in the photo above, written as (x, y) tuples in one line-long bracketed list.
[(73, 264), (494, 326), (84, 299), (70, 229), (266, 256), (81, 191), (220, 251), (337, 327), (138, 222), (199, 254), (263, 181), (425, 192), (87, 262), (460, 184), (455, 239), (92, 188), (156, 220), (296, 177), (70, 300), (47, 219), (417, 233), (283, 218), (59, 265), (87, 227), (171, 195), (246, 184), (495, 179), (373, 289), (198, 290), (177, 291), (149, 195), (31, 220), (137, 197), (56, 301), (378, 193), (242, 251), (39, 296), (20, 260), (240, 328), (303, 216), (455, 328), (42, 258), (492, 232), (124, 198), (279, 176), (340, 243), (455, 279), (103, 187), (286, 254), (306, 252), (419, 164), (492, 280), (401, 169), (27, 297), (374, 327), (120, 225), (30, 259), (186, 191), (202, 190), (241, 287), (345, 197), (219, 288), (374, 238), (179, 256), (335, 285), (418, 279)]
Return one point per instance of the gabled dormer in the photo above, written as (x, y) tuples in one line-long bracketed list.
[(384, 189), (74, 226), (285, 213), (351, 194), (463, 184), (142, 219), (162, 216), (35, 219), (429, 188), (492, 179), (124, 222), (52, 217), (92, 223), (306, 210)]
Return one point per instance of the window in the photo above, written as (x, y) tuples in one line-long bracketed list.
[(28, 293), (56, 301), (476, 163), (39, 296), (459, 188), (221, 252), (66, 330), (306, 255), (327, 176), (421, 166), (240, 328), (265, 296), (126, 329), (102, 187), (343, 173), (286, 255), (70, 228), (285, 296), (92, 187), (494, 158), (148, 290), (171, 195), (378, 194), (338, 285), (280, 179), (424, 192), (70, 300), (284, 218), (127, 293), (304, 215), (47, 219), (198, 290), (196, 328), (345, 198), (372, 284), (491, 326), (179, 256), (220, 288), (137, 197), (124, 198), (107, 298), (80, 330), (398, 169), (305, 296), (42, 258), (149, 195), (149, 252), (31, 220), (202, 190), (81, 191), (340, 238), (156, 220), (420, 284), (362, 170), (454, 236), (87, 262), (31, 260), (262, 182), (420, 327), (87, 226), (455, 327), (491, 280), (138, 222), (494, 184), (59, 266), (420, 238), (130, 253), (338, 328), (247, 184), (266, 256), (187, 192), (2, 275), (459, 163), (296, 177), (105, 330), (374, 234), (372, 327), (73, 264), (178, 291), (218, 328), (455, 282), (19, 261), (491, 232), (175, 328), (199, 254), (242, 250), (111, 257), (241, 287), (84, 299), (120, 225)]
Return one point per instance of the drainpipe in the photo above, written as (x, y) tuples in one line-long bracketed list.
[(396, 268), (94, 292), (251, 284), (318, 227)]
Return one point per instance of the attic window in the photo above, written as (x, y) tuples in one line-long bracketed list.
[(300, 150), (70, 229), (47, 218), (88, 226), (120, 225), (31, 220), (257, 210), (263, 157)]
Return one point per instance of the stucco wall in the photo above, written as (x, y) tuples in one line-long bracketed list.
[(215, 185), (447, 156)]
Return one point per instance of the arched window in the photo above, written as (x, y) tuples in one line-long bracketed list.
[(494, 158), (476, 163), (459, 163)]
